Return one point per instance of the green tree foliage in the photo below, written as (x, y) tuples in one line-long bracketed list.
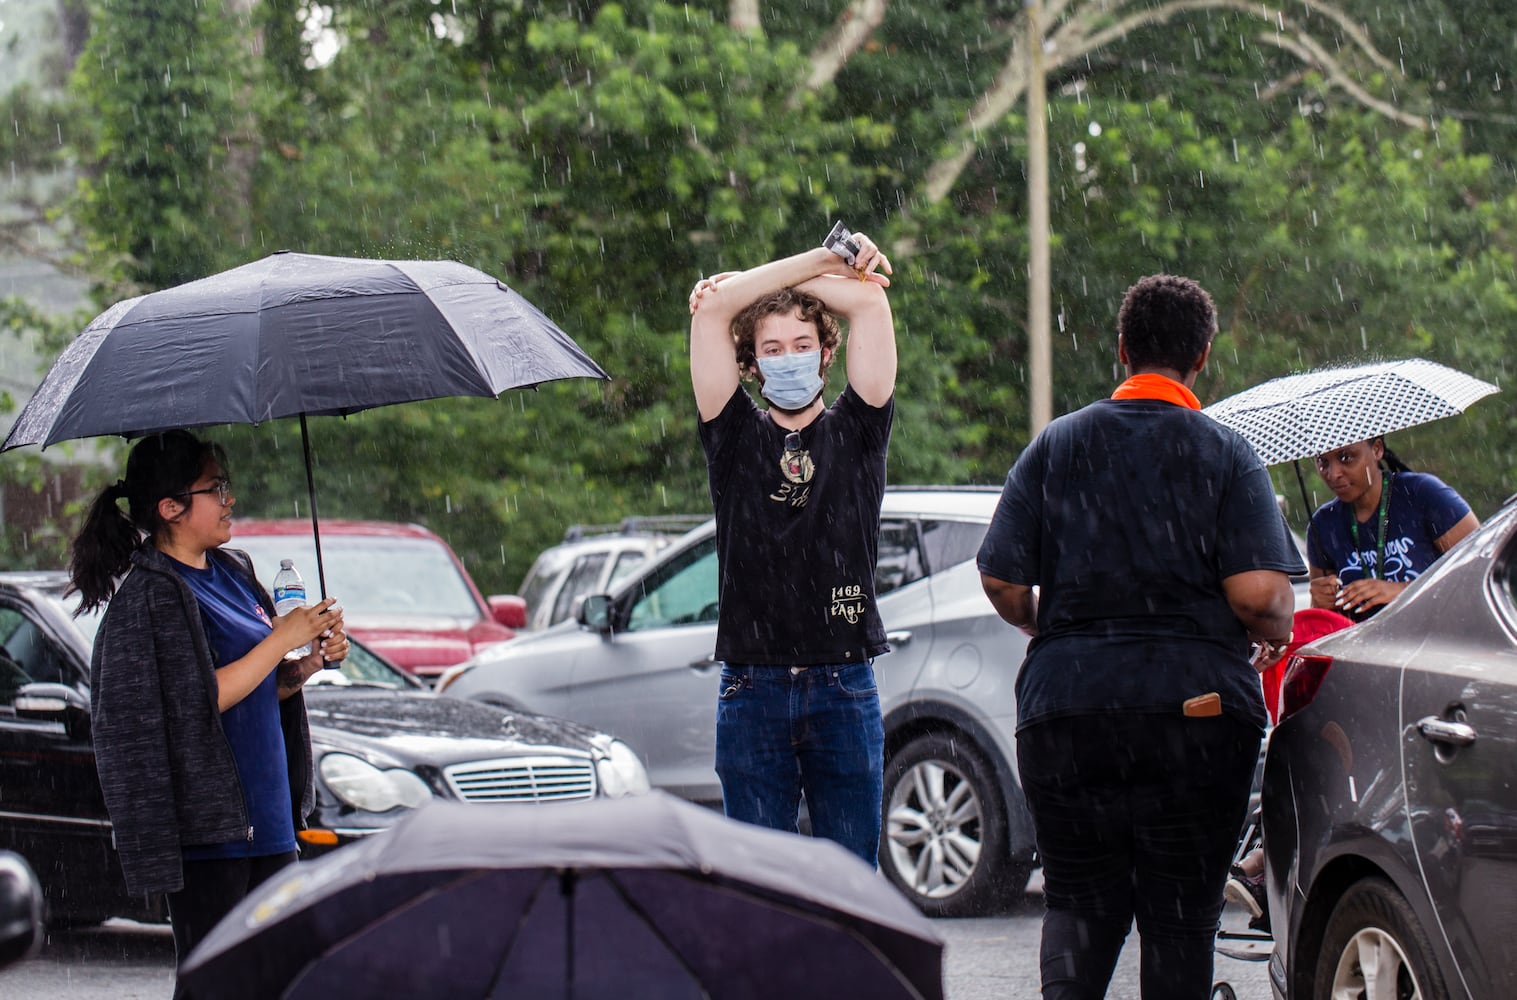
[(162, 79), (594, 164), (600, 156)]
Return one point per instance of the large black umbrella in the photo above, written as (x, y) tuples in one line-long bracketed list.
[(293, 335), (616, 899)]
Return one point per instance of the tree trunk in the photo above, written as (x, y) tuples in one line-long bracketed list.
[(743, 15)]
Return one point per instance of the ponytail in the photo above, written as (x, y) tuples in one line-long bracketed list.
[(102, 550), (160, 465), (1390, 461)]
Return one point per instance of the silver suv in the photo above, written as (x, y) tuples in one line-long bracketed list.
[(639, 662), (593, 559)]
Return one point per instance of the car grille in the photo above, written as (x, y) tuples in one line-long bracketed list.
[(523, 779)]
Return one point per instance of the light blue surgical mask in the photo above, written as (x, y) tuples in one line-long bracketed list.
[(791, 381)]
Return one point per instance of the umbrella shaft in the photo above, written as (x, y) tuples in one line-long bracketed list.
[(305, 447)]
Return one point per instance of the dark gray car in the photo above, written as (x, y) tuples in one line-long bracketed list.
[(1390, 792), (957, 835), (382, 745)]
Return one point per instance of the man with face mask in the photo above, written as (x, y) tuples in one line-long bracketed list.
[(797, 489)]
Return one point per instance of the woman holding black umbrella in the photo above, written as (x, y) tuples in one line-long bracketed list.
[(199, 726)]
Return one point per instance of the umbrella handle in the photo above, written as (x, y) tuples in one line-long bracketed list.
[(1306, 505), (305, 447)]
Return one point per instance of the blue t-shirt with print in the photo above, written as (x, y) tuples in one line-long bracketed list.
[(234, 623), (1420, 508)]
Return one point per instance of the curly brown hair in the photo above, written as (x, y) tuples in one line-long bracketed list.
[(1166, 322), (745, 325)]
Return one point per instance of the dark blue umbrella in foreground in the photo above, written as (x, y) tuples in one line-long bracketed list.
[(644, 897), (294, 335)]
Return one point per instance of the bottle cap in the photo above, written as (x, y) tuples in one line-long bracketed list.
[(286, 564)]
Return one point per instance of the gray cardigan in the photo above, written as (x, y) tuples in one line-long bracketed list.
[(165, 764)]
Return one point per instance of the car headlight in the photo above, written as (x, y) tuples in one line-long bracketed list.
[(361, 785), (620, 772)]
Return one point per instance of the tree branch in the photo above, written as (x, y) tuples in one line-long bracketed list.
[(1308, 50), (992, 106), (1073, 39), (849, 33)]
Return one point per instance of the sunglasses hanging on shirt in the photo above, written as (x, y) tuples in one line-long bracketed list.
[(795, 461)]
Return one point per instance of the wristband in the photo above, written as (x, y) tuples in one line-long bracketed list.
[(840, 241)]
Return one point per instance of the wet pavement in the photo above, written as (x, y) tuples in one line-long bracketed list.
[(988, 958)]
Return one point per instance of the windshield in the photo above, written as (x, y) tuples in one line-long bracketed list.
[(361, 667), (540, 581), (371, 577)]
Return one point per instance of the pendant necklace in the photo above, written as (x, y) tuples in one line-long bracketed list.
[(795, 461)]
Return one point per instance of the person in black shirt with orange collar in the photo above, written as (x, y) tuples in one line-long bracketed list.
[(1159, 554), (797, 489)]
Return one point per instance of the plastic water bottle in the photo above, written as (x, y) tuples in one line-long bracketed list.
[(289, 594)]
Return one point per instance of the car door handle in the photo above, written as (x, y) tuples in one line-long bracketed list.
[(898, 638), (1438, 730), (701, 666)]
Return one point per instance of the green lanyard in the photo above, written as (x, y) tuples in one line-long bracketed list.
[(1353, 527)]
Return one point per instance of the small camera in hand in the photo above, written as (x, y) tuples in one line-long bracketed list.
[(841, 242)]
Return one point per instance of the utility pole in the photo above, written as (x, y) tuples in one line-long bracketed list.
[(1039, 345)]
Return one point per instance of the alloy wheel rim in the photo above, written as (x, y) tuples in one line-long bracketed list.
[(1373, 967), (933, 829)]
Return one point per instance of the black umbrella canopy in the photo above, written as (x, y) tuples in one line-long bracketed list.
[(647, 896), (296, 334)]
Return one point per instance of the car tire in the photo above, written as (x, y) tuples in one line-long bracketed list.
[(1372, 926), (943, 839)]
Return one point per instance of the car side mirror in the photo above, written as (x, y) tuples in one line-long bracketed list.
[(59, 703), (509, 610), (594, 612), (20, 909)]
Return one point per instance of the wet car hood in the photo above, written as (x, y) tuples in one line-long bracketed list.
[(412, 727)]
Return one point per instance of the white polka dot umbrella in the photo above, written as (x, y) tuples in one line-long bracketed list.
[(1304, 415)]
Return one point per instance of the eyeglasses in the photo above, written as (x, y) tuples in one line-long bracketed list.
[(222, 489)]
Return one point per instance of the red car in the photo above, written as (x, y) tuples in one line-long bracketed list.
[(403, 590)]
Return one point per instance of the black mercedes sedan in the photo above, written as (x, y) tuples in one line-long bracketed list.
[(382, 743), (1390, 792)]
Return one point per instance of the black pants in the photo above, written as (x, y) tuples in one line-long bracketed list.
[(1136, 816), (211, 889)]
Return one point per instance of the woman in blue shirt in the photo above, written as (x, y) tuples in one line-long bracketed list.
[(200, 733), (1384, 528)]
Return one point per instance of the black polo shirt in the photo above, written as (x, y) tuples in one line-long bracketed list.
[(797, 558), (1127, 515)]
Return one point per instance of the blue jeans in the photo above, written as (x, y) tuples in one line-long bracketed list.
[(1136, 816), (782, 731)]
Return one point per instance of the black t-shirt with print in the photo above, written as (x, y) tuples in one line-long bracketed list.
[(1128, 515), (797, 558)]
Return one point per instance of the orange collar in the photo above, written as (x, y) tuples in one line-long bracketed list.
[(1160, 387)]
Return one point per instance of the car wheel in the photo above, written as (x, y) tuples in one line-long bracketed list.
[(1373, 946), (943, 840)]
